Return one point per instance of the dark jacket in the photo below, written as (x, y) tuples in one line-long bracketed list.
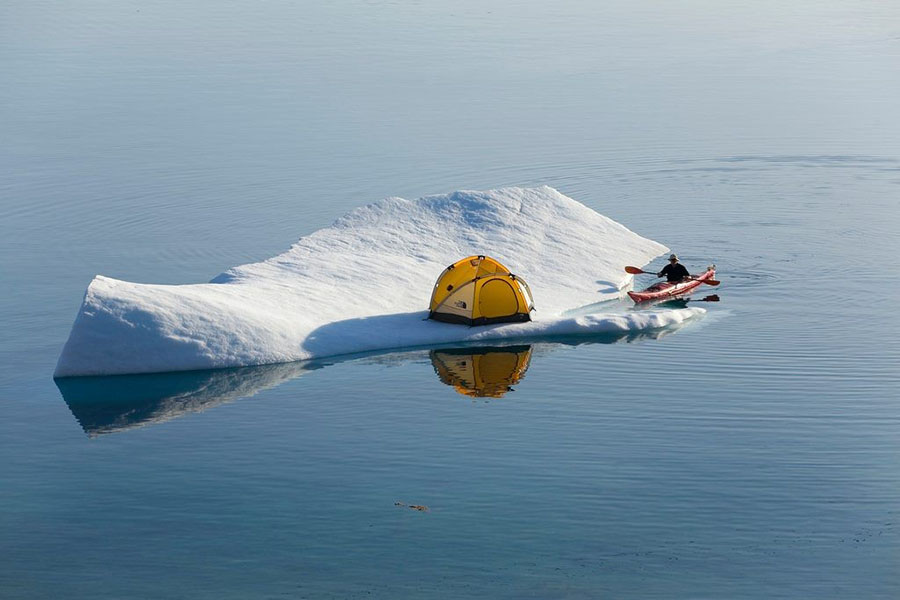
[(674, 273)]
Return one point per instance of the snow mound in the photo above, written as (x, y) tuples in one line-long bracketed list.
[(362, 284)]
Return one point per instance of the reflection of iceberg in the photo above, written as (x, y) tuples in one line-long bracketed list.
[(119, 402), (363, 284), (577, 339), (481, 372)]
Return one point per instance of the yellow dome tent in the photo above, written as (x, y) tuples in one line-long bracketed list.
[(479, 290), (482, 372)]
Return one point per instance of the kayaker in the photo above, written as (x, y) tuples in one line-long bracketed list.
[(674, 271)]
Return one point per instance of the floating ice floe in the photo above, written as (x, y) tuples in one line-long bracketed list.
[(363, 283)]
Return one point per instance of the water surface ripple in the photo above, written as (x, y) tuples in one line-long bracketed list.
[(750, 455)]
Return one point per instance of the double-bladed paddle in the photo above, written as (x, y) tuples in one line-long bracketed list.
[(636, 271), (712, 298), (682, 301)]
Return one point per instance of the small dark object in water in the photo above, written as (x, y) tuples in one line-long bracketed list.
[(418, 507)]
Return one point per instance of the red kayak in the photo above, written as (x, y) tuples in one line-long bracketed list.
[(669, 290)]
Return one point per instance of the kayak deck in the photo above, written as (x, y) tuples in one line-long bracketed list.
[(668, 290)]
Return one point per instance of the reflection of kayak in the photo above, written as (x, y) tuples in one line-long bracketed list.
[(668, 290)]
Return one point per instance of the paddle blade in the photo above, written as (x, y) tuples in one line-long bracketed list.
[(634, 270), (711, 282), (713, 298)]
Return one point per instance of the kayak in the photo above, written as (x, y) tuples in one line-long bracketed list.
[(668, 290)]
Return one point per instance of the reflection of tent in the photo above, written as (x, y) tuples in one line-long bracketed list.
[(482, 372), (478, 290)]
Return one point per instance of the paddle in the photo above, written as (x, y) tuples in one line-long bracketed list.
[(636, 271), (673, 302)]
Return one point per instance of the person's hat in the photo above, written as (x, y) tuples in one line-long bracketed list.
[(673, 257)]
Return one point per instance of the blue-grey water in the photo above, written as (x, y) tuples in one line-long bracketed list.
[(751, 455)]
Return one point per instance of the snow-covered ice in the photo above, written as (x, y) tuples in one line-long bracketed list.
[(363, 284)]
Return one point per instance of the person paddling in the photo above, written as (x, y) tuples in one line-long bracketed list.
[(674, 271)]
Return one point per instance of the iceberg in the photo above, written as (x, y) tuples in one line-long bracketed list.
[(362, 285)]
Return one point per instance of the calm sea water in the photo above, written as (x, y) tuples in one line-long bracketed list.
[(751, 455)]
